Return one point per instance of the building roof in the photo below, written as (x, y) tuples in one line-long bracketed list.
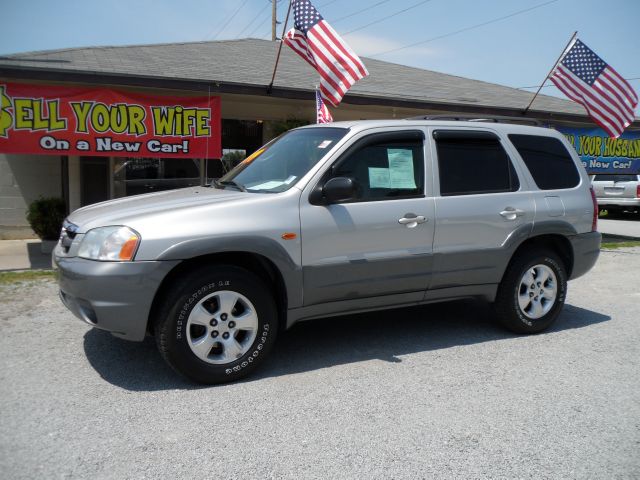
[(246, 66)]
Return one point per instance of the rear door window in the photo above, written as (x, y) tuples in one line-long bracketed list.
[(548, 160), (473, 163)]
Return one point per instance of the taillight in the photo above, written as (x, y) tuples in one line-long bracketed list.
[(638, 191), (594, 222)]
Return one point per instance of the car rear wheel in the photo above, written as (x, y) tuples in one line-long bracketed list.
[(217, 324), (532, 292)]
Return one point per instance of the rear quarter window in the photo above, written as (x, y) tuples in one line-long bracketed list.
[(548, 160)]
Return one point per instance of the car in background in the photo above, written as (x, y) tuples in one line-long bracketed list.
[(617, 192)]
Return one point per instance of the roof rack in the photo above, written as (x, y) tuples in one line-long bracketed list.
[(472, 118)]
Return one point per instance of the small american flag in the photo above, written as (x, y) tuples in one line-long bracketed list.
[(323, 115), (587, 79), (317, 43)]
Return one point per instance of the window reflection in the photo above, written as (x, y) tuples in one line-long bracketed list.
[(133, 176)]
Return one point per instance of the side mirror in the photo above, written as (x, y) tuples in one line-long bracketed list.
[(338, 189)]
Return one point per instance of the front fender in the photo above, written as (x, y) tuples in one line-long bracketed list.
[(289, 268)]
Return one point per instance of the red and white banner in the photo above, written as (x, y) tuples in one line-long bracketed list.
[(43, 119)]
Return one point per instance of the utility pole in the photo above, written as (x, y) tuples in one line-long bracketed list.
[(274, 20)]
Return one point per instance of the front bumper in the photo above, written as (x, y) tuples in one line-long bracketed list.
[(112, 296), (586, 250)]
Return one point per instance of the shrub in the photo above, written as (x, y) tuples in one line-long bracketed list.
[(231, 159), (45, 216), (280, 127)]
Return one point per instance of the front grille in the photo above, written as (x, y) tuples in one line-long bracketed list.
[(69, 232)]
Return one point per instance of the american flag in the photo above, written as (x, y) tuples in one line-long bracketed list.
[(587, 79), (323, 115), (317, 43)]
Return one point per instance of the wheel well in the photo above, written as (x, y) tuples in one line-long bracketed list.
[(557, 243), (258, 264)]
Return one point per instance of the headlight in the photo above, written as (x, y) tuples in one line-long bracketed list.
[(109, 243)]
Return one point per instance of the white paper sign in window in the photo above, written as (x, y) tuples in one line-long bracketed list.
[(401, 168), (379, 178)]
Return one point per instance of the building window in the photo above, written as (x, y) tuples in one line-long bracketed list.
[(133, 176)]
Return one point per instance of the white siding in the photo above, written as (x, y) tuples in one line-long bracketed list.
[(24, 178)]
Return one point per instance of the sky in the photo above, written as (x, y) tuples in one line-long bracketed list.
[(468, 38)]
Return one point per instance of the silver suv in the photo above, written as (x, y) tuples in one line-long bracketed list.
[(333, 219), (617, 192)]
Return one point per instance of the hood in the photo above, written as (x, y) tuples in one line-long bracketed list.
[(126, 211)]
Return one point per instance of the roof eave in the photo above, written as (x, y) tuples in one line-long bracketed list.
[(213, 86)]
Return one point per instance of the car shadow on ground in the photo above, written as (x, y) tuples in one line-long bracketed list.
[(384, 335), (621, 215), (37, 259)]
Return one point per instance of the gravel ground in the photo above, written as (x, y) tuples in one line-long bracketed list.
[(431, 392)]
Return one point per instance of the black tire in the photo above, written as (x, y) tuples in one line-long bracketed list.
[(507, 303), (174, 329)]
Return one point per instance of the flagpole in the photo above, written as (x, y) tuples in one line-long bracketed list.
[(284, 29), (564, 51)]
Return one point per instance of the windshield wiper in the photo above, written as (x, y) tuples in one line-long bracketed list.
[(230, 183)]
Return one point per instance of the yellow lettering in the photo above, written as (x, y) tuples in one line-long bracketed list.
[(202, 126), (55, 123), (81, 111), (583, 145), (617, 149), (188, 115), (178, 123), (136, 119), (22, 109), (163, 120), (119, 118), (39, 123), (597, 150), (100, 118)]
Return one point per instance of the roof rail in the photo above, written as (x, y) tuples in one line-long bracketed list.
[(473, 118)]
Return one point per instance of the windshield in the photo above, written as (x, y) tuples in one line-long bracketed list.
[(278, 165)]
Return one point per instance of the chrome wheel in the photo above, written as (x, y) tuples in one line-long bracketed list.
[(222, 327), (537, 292)]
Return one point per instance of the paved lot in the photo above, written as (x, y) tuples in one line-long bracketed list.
[(23, 255), (431, 392), (624, 224)]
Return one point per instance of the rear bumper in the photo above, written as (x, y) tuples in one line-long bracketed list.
[(586, 250), (619, 202), (112, 296)]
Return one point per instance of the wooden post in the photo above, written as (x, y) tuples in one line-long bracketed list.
[(551, 71), (275, 67), (274, 19)]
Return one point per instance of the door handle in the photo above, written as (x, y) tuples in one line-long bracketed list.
[(411, 220), (511, 213)]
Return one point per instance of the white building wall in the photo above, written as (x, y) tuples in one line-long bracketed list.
[(74, 183), (24, 178)]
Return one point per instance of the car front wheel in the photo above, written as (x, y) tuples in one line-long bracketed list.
[(217, 324), (532, 292)]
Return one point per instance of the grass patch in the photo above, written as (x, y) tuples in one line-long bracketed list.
[(615, 245), (25, 276)]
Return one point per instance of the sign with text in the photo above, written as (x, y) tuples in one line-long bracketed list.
[(43, 119), (601, 154)]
